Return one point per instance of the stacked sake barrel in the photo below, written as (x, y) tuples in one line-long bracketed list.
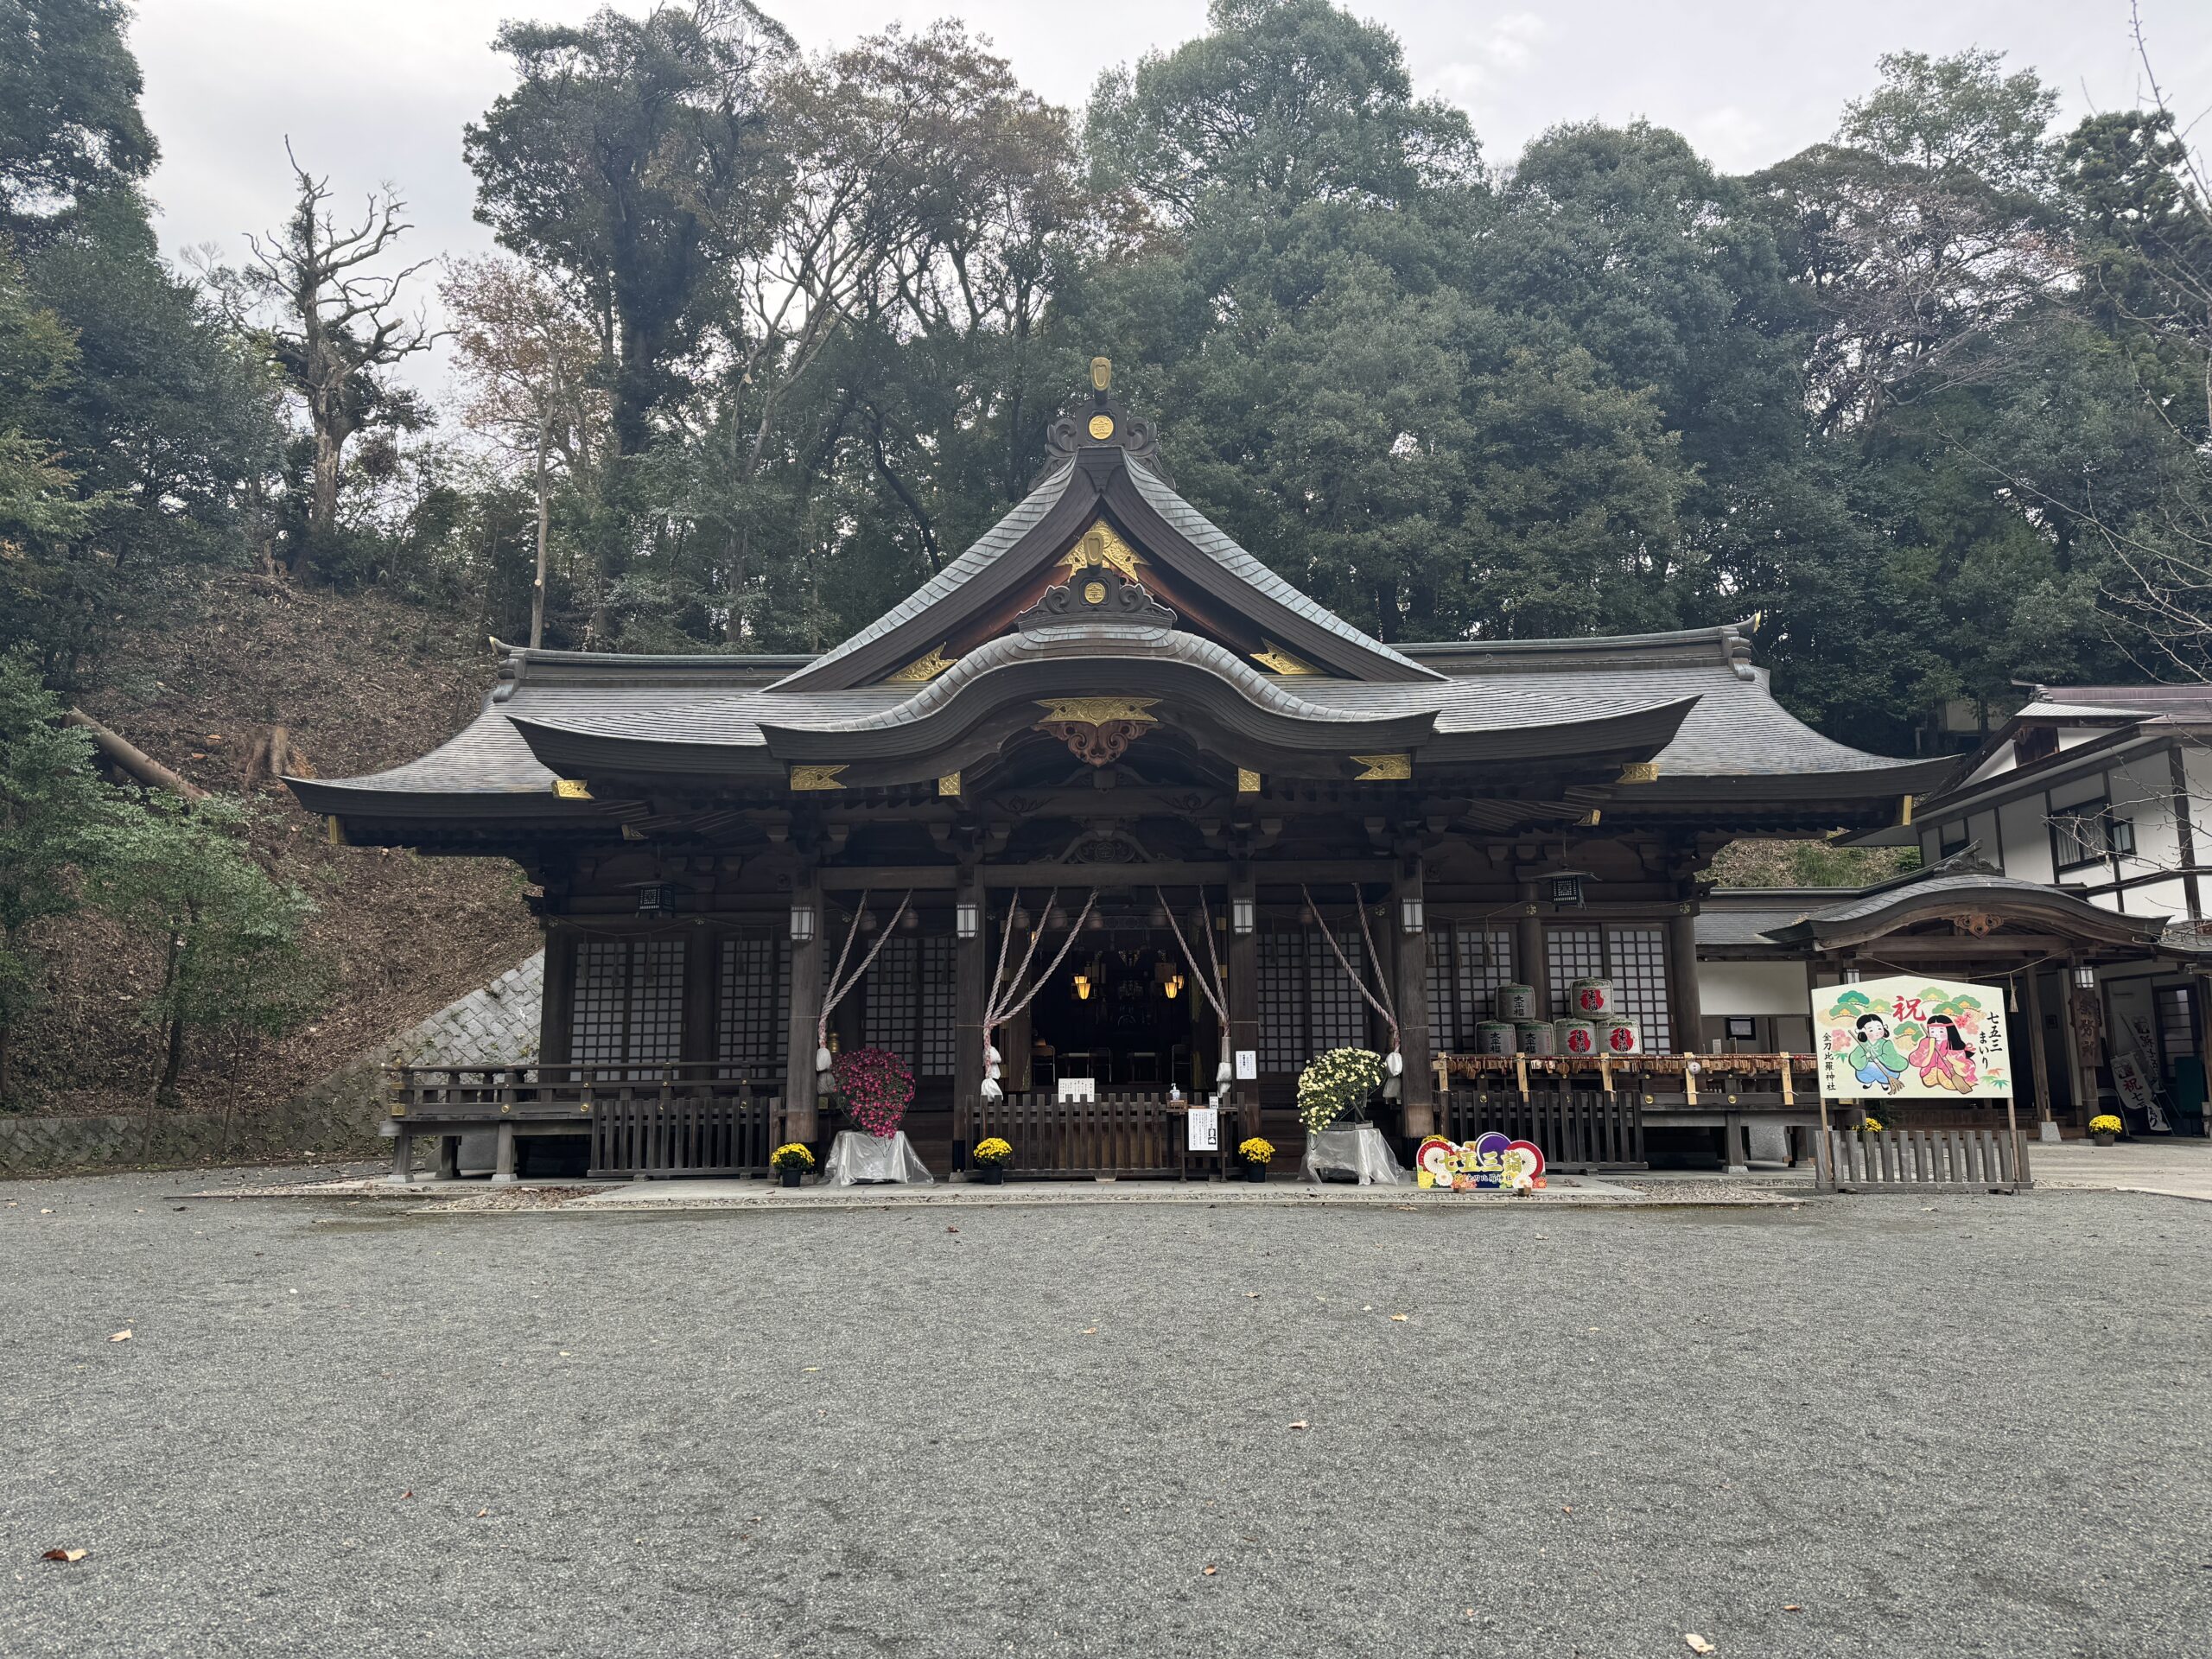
[(1595, 1027)]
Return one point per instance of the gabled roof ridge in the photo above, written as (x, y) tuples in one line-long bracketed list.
[(985, 551), (1223, 549)]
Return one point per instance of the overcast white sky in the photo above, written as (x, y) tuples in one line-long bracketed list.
[(378, 90)]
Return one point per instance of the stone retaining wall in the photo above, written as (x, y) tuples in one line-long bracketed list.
[(336, 1118)]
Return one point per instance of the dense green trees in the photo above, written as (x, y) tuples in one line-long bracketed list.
[(179, 876), (777, 332)]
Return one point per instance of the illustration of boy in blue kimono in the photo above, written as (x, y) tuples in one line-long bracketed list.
[(1874, 1059)]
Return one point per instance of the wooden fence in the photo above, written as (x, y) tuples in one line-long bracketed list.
[(1919, 1161), (1117, 1134), (1579, 1129), (643, 1134)]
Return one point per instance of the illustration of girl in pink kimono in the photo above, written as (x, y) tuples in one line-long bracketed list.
[(1944, 1058)]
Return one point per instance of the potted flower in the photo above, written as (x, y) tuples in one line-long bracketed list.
[(2106, 1127), (1257, 1154), (791, 1161), (992, 1156), (877, 1088), (1872, 1125), (1337, 1083)]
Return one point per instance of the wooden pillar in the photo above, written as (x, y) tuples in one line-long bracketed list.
[(1685, 1000), (1417, 1086), (449, 1157), (2200, 994), (402, 1157), (2039, 1055), (2081, 1079), (557, 1007), (697, 1044), (971, 968), (503, 1157), (799, 1042), (1529, 966), (1244, 994)]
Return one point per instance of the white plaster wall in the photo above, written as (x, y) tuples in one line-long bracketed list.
[(1752, 987), (2027, 840), (1982, 827), (2073, 791)]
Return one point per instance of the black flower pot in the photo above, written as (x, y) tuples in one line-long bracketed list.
[(991, 1174), (791, 1176), (1255, 1172), (2102, 1138)]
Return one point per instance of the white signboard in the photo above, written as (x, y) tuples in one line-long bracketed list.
[(1205, 1130), (1247, 1065), (1911, 1036), (1079, 1088)]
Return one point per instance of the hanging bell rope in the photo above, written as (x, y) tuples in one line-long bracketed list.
[(839, 988), (1389, 1019), (1223, 1073), (1004, 1003), (1395, 1061)]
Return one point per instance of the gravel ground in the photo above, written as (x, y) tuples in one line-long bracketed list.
[(1961, 1426)]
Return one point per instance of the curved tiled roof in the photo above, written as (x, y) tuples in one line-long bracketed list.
[(1001, 538), (1218, 545)]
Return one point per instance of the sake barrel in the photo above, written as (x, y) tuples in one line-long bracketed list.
[(1516, 1003), (1536, 1037), (1622, 1034), (1574, 1037), (1592, 998), (1494, 1037)]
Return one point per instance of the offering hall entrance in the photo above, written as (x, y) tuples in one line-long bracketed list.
[(1100, 1066)]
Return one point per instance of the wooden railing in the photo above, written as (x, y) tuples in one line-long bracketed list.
[(687, 1135), (1660, 1082), (1919, 1161), (1118, 1134), (1576, 1129), (480, 1094)]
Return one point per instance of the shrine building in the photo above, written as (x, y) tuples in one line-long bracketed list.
[(1237, 828)]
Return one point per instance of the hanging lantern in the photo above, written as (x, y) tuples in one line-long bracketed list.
[(802, 924), (1241, 914), (967, 919), (1082, 988)]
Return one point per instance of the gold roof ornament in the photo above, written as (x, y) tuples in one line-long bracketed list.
[(1276, 660), (1097, 711), (949, 783), (1102, 427), (922, 668), (1102, 373), (1383, 768), (1099, 545), (1639, 771), (572, 789), (1248, 781), (813, 778)]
